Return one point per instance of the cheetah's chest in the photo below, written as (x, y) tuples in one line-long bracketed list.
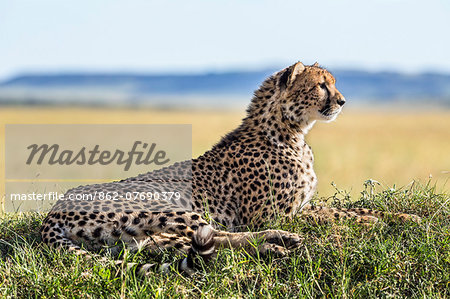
[(303, 179)]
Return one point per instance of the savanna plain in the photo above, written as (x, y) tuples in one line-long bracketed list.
[(391, 160)]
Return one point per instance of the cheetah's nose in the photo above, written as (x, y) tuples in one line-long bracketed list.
[(341, 102)]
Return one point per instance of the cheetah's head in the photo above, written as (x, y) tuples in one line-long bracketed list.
[(307, 94)]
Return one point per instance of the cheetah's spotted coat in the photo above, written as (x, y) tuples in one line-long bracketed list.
[(261, 169)]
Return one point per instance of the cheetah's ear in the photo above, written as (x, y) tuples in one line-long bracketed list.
[(290, 74), (316, 64), (298, 69)]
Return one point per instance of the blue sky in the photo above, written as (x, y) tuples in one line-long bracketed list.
[(194, 36)]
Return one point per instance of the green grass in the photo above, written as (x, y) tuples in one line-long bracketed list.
[(338, 260)]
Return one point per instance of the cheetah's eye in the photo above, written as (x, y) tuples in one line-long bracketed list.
[(323, 85)]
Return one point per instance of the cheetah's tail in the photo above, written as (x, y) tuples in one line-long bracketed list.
[(202, 246)]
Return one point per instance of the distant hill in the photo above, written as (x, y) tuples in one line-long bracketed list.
[(210, 89)]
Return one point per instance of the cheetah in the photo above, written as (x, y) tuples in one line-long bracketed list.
[(261, 170)]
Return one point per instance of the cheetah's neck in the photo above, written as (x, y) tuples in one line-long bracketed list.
[(265, 121), (265, 116)]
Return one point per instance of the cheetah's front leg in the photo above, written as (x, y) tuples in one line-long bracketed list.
[(320, 214), (277, 241)]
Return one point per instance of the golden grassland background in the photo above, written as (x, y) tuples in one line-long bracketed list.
[(392, 147)]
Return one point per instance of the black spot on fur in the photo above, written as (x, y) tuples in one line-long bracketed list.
[(130, 231), (180, 220), (96, 232), (178, 246), (143, 215)]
